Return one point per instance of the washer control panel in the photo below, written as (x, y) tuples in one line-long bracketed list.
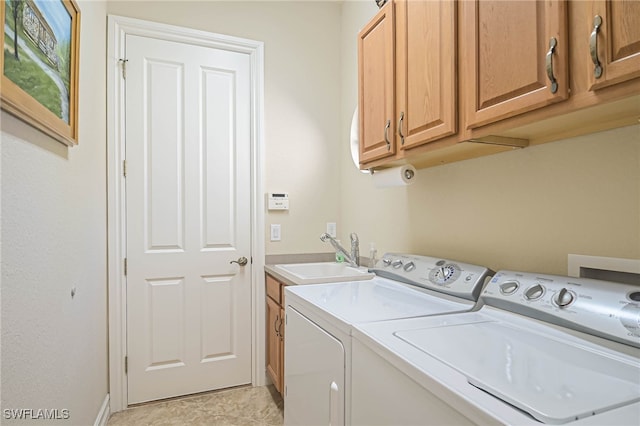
[(603, 308), (445, 276)]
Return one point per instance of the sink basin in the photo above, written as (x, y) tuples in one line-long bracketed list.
[(323, 272)]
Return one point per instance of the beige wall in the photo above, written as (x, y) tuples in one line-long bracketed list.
[(54, 347), (524, 210), (302, 100)]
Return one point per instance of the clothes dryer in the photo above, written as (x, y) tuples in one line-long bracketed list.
[(319, 319)]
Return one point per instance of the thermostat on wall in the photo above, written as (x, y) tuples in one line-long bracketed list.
[(278, 201)]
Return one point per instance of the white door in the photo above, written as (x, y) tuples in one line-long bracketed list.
[(188, 216), (314, 374)]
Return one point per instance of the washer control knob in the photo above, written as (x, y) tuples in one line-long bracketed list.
[(386, 262), (409, 266), (634, 296), (396, 263), (564, 298), (534, 292), (509, 287)]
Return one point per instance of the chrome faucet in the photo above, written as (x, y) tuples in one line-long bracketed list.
[(352, 258)]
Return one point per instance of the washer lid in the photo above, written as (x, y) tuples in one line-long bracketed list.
[(555, 381)]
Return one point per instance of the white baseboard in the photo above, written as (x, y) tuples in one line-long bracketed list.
[(104, 413)]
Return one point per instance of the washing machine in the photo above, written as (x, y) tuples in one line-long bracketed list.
[(319, 319), (542, 349)]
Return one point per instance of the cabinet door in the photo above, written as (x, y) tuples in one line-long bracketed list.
[(281, 328), (512, 64), (425, 71), (375, 86), (615, 38), (274, 344)]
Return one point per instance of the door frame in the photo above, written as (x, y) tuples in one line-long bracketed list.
[(118, 28)]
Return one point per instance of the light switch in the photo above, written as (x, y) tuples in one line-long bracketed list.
[(275, 232), (331, 229)]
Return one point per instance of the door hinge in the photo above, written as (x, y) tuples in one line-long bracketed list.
[(124, 168), (126, 364), (123, 63), (125, 266)]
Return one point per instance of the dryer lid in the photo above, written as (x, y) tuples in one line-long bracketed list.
[(374, 300)]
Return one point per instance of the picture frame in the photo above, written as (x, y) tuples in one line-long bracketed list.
[(40, 66)]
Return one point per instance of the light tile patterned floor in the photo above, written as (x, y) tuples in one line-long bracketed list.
[(236, 406)]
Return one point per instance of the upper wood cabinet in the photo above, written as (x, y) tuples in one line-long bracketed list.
[(407, 77), (376, 86), (426, 107), (518, 52), (443, 81), (614, 42)]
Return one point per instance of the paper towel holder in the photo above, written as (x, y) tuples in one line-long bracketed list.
[(408, 174)]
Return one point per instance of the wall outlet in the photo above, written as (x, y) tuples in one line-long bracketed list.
[(331, 229), (275, 232)]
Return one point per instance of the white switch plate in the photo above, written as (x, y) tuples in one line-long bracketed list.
[(331, 229), (275, 232)]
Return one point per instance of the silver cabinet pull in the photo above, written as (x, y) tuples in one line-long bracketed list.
[(275, 326), (386, 135), (241, 261), (552, 48), (593, 46), (400, 127)]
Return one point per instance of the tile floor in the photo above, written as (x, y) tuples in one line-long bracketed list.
[(240, 406)]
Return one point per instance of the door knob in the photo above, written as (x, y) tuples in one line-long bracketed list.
[(241, 261)]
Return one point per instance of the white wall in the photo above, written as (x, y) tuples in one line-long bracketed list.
[(524, 209), (54, 348), (302, 100)]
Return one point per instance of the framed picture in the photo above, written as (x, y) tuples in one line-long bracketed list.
[(39, 64)]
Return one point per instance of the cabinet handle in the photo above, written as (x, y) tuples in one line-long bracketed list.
[(593, 46), (400, 127), (386, 135), (275, 325), (279, 330), (334, 392), (552, 48)]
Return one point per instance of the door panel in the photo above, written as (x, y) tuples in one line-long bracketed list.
[(617, 41), (217, 342), (376, 85), (274, 348), (164, 145), (426, 51), (164, 303), (508, 44), (218, 179), (314, 374), (188, 217)]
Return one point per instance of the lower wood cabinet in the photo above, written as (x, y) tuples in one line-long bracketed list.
[(275, 331)]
